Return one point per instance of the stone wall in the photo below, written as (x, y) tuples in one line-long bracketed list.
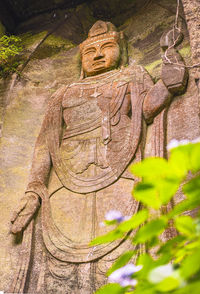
[(192, 14), (51, 59)]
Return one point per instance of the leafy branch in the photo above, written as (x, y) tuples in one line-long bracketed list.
[(175, 266)]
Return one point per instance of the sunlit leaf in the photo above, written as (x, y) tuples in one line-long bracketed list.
[(150, 167), (111, 289), (167, 188), (147, 194), (179, 161), (192, 288), (183, 206), (191, 264), (185, 225), (195, 157), (192, 188), (156, 193), (152, 229), (121, 261), (135, 221), (109, 237), (171, 244), (168, 284)]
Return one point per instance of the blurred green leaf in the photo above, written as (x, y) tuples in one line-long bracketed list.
[(167, 248), (183, 206), (192, 288), (109, 237), (193, 245), (167, 188), (152, 229), (111, 288), (148, 264), (195, 157), (147, 194), (191, 264), (156, 193), (144, 288), (150, 168), (121, 261), (135, 221), (192, 188), (179, 161), (168, 284), (185, 225)]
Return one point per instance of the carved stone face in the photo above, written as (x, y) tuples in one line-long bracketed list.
[(100, 57)]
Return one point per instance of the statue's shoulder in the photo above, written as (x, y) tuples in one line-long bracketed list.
[(137, 74), (57, 96), (60, 91), (134, 71)]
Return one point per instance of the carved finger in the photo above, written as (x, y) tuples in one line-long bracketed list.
[(21, 206), (22, 218), (30, 208), (16, 214), (20, 223)]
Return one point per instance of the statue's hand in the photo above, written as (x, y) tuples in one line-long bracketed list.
[(174, 74), (25, 212)]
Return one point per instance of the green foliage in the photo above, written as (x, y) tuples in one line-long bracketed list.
[(10, 48), (122, 260), (111, 288), (175, 267)]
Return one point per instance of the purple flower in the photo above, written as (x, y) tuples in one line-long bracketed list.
[(114, 215), (123, 275), (175, 143)]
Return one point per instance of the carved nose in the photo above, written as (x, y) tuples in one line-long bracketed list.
[(98, 55)]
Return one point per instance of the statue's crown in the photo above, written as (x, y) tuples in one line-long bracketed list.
[(100, 31)]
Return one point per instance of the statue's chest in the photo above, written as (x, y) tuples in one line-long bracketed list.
[(85, 103)]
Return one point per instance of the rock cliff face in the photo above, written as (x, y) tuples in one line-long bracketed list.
[(51, 32)]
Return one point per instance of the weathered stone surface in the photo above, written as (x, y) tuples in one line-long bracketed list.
[(192, 14), (54, 64)]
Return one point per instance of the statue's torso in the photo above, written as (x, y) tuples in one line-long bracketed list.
[(96, 118), (84, 104)]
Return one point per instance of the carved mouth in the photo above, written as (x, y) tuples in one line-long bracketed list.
[(99, 63)]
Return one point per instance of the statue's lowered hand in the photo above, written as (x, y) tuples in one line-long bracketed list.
[(25, 212)]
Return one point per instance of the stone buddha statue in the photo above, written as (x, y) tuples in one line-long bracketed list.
[(92, 131)]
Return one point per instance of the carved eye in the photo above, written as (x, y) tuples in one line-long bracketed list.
[(108, 45), (89, 51)]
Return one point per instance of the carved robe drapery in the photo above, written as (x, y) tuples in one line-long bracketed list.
[(92, 131)]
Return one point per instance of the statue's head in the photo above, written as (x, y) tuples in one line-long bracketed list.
[(103, 50)]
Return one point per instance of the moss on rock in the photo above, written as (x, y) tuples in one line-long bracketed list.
[(152, 67), (48, 45), (185, 52)]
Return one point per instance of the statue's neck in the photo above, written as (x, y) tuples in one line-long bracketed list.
[(102, 75)]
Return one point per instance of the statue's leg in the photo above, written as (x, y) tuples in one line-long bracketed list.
[(78, 217)]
